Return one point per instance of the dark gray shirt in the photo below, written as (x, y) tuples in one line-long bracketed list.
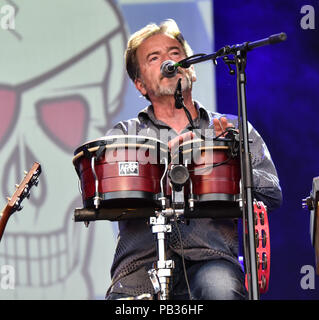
[(202, 239)]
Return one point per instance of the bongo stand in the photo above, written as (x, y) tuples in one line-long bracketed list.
[(162, 269)]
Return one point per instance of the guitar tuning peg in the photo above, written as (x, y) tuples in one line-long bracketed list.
[(9, 199), (25, 172), (26, 192), (36, 182), (17, 205), (17, 186), (36, 173)]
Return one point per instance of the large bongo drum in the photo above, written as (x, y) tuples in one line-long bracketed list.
[(121, 173), (214, 182)]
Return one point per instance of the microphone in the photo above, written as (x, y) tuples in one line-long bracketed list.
[(168, 69)]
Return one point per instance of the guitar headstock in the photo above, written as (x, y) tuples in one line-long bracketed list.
[(23, 189)]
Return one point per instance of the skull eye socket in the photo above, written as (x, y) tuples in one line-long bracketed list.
[(9, 113), (64, 120)]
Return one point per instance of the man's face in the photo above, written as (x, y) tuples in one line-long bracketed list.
[(150, 55)]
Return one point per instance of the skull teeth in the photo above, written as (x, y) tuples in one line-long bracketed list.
[(38, 259)]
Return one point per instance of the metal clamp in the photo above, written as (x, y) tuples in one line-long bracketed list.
[(97, 199)]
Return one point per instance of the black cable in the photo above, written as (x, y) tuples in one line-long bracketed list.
[(212, 165), (179, 102), (183, 259), (189, 117)]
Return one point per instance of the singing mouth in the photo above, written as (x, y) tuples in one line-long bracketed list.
[(40, 260)]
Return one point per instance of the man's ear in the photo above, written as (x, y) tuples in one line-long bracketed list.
[(139, 85), (193, 73)]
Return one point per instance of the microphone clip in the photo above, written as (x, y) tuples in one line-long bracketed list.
[(179, 99)]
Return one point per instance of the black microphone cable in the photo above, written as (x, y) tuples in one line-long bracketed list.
[(179, 102), (183, 258)]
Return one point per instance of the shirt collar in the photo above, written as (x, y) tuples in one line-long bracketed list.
[(148, 113)]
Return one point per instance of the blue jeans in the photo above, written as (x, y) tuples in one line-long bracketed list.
[(208, 280)]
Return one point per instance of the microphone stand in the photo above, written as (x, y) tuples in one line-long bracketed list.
[(246, 177), (240, 60)]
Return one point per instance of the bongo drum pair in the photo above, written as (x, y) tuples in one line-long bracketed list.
[(126, 176)]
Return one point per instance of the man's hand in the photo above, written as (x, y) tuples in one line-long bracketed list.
[(177, 141), (220, 126)]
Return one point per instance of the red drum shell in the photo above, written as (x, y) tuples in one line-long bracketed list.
[(223, 179), (111, 181)]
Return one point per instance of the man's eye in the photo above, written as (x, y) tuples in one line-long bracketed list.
[(154, 58), (175, 53)]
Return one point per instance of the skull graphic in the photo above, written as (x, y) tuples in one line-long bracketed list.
[(61, 82)]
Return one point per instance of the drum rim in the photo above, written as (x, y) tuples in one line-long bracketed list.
[(210, 145), (95, 142), (94, 145), (188, 146), (130, 195)]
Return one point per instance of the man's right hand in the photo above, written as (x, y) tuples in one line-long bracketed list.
[(177, 141)]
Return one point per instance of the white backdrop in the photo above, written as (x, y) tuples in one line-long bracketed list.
[(62, 82)]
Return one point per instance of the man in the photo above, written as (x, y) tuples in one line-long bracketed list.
[(210, 247)]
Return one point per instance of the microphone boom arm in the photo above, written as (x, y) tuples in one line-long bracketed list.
[(227, 50)]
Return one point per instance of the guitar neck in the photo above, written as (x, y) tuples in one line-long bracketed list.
[(22, 191), (4, 217)]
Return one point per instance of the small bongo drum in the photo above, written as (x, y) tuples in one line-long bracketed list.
[(214, 177)]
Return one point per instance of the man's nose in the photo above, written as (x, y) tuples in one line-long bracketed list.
[(166, 56)]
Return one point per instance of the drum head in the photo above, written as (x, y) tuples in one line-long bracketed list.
[(196, 151), (117, 142)]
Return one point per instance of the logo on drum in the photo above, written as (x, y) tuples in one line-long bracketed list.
[(128, 169)]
